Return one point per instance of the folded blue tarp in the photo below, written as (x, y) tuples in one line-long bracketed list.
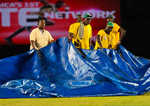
[(61, 70)]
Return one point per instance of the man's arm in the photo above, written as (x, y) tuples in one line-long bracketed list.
[(51, 39), (33, 43), (33, 40), (70, 36), (90, 37), (99, 40), (122, 33), (90, 42), (71, 31)]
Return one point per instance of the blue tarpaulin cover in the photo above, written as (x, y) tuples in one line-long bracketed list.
[(61, 70)]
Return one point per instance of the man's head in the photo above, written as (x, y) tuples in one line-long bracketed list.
[(41, 23), (110, 18), (46, 8), (109, 26), (79, 18), (87, 18)]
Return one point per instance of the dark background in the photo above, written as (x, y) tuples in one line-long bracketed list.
[(135, 18)]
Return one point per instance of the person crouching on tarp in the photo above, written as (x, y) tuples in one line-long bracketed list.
[(81, 32), (39, 37), (104, 37)]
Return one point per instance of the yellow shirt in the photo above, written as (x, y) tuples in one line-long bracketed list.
[(112, 39), (116, 27), (73, 29), (115, 36), (42, 39), (86, 36), (104, 39)]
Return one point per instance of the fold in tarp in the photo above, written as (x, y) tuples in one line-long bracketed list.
[(61, 70)]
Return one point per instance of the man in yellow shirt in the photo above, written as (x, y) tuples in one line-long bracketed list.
[(111, 36), (81, 32), (118, 31), (105, 37), (39, 37)]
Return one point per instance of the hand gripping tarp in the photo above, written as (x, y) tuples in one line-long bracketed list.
[(61, 70)]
